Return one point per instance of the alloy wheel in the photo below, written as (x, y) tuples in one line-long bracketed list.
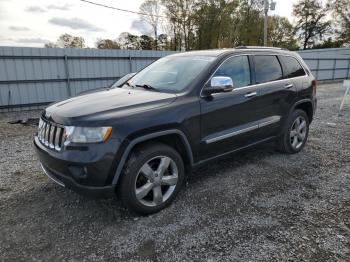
[(156, 181), (298, 132)]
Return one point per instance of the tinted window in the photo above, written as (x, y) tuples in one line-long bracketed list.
[(291, 67), (267, 68), (237, 68)]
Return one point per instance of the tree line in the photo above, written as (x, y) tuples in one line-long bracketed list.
[(206, 24)]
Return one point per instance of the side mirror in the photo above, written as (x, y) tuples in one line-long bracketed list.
[(219, 84)]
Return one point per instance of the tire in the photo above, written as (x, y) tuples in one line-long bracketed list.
[(295, 132), (151, 178)]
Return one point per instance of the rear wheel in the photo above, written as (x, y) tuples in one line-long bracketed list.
[(152, 177), (295, 132)]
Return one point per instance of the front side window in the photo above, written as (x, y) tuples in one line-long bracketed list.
[(172, 73), (291, 67), (267, 68), (237, 68)]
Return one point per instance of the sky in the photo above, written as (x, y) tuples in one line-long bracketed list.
[(36, 22)]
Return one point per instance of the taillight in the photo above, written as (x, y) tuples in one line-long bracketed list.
[(314, 86)]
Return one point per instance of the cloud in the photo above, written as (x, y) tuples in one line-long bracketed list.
[(142, 27), (19, 28), (35, 9), (75, 23), (39, 9), (65, 7), (32, 40), (6, 38)]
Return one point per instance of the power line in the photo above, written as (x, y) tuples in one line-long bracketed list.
[(120, 9), (130, 11)]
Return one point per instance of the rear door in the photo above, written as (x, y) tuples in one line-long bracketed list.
[(294, 71), (276, 93)]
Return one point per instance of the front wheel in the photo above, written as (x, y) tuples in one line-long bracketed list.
[(151, 178), (295, 132)]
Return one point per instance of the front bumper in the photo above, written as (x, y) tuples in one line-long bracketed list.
[(85, 172), (65, 181)]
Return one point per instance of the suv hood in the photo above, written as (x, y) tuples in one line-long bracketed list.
[(117, 100)]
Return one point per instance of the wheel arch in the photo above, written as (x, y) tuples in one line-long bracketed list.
[(178, 140), (305, 105)]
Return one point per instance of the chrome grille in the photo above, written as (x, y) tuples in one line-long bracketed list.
[(50, 134)]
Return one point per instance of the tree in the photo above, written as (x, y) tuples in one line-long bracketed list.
[(213, 21), (250, 22), (152, 11), (163, 43), (107, 44), (205, 24), (329, 43), (180, 15), (341, 15), (312, 23), (51, 45), (146, 42), (281, 33), (67, 41), (129, 41)]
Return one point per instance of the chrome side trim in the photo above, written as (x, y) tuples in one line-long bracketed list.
[(271, 120), (51, 177), (274, 119), (235, 133)]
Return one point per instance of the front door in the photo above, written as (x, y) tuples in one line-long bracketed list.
[(230, 120)]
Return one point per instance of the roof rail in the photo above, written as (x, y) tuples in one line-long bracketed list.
[(259, 47)]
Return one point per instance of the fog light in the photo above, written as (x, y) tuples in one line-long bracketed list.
[(78, 172)]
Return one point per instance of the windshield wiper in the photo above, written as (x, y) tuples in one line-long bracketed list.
[(148, 87), (128, 84)]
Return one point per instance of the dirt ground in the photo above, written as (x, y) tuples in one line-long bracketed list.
[(258, 205)]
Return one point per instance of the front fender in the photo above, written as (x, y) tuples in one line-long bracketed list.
[(147, 137)]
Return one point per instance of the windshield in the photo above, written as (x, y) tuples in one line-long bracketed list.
[(172, 73)]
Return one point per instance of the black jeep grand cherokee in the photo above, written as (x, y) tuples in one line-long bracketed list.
[(142, 139)]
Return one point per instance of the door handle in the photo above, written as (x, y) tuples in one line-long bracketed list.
[(251, 94), (287, 86)]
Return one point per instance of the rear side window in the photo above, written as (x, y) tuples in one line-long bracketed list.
[(237, 68), (291, 67), (267, 68)]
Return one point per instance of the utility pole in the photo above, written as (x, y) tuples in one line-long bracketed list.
[(267, 6)]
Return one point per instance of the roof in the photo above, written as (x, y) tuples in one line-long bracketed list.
[(218, 52), (211, 52)]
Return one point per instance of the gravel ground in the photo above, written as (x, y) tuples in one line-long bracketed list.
[(259, 205)]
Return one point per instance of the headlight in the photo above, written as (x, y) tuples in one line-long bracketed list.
[(86, 134)]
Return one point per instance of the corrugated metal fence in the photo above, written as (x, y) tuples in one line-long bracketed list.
[(32, 77), (36, 76), (328, 64)]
